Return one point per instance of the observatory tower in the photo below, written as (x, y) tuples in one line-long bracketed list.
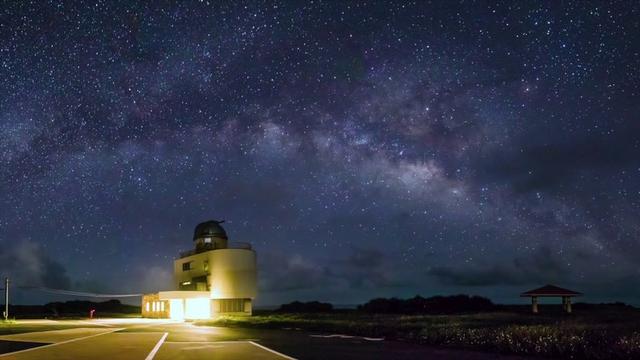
[(215, 277)]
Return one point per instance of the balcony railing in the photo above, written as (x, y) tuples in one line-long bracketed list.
[(208, 247)]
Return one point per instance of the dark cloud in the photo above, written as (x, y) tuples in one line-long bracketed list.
[(553, 164), (27, 264), (370, 268), (291, 272), (363, 258), (360, 268), (540, 267)]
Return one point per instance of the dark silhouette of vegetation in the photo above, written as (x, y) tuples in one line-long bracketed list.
[(305, 307), (75, 308), (83, 307), (433, 305)]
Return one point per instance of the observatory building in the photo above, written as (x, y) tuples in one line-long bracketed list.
[(216, 277)]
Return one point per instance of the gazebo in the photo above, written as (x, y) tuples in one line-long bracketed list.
[(550, 291)]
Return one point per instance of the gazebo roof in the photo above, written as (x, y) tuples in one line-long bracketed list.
[(550, 290)]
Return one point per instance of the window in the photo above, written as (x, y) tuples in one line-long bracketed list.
[(187, 285), (206, 266), (146, 306), (231, 305), (153, 306), (207, 240), (186, 266), (162, 306)]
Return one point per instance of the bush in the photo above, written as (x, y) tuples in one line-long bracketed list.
[(433, 305), (305, 307)]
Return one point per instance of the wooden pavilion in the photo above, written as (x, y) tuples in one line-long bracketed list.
[(550, 291)]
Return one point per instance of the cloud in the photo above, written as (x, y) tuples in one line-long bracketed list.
[(549, 165), (370, 268), (543, 266), (365, 258), (361, 268), (292, 272), (27, 264), (155, 278)]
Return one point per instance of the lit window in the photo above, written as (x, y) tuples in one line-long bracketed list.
[(162, 306), (207, 240), (153, 306), (146, 306)]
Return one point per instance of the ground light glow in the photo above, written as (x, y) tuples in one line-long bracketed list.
[(197, 308)]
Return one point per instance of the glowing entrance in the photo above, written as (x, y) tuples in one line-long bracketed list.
[(176, 309), (198, 308)]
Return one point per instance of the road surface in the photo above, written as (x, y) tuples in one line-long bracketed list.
[(146, 339)]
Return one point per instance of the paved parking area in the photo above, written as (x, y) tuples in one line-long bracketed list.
[(132, 340), (146, 339)]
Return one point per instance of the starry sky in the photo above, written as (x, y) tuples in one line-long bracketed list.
[(365, 149)]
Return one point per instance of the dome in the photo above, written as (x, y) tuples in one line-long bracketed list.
[(211, 228)]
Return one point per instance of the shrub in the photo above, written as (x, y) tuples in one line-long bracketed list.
[(306, 307), (433, 305)]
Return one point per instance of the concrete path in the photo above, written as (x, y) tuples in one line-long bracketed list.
[(133, 340), (145, 339)]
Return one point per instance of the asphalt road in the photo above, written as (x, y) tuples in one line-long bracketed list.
[(153, 339)]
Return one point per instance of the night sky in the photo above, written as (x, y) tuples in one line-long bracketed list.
[(364, 149)]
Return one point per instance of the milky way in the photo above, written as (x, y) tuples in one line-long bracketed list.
[(366, 150)]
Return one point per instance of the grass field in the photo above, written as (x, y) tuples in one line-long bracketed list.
[(602, 334)]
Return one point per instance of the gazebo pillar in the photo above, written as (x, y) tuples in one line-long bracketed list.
[(551, 291)]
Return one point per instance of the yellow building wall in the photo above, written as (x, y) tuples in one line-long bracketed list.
[(153, 307), (231, 273)]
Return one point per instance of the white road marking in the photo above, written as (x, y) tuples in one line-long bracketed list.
[(272, 351), (334, 336), (59, 343), (209, 346), (212, 344), (157, 347), (206, 342), (347, 337), (94, 323)]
